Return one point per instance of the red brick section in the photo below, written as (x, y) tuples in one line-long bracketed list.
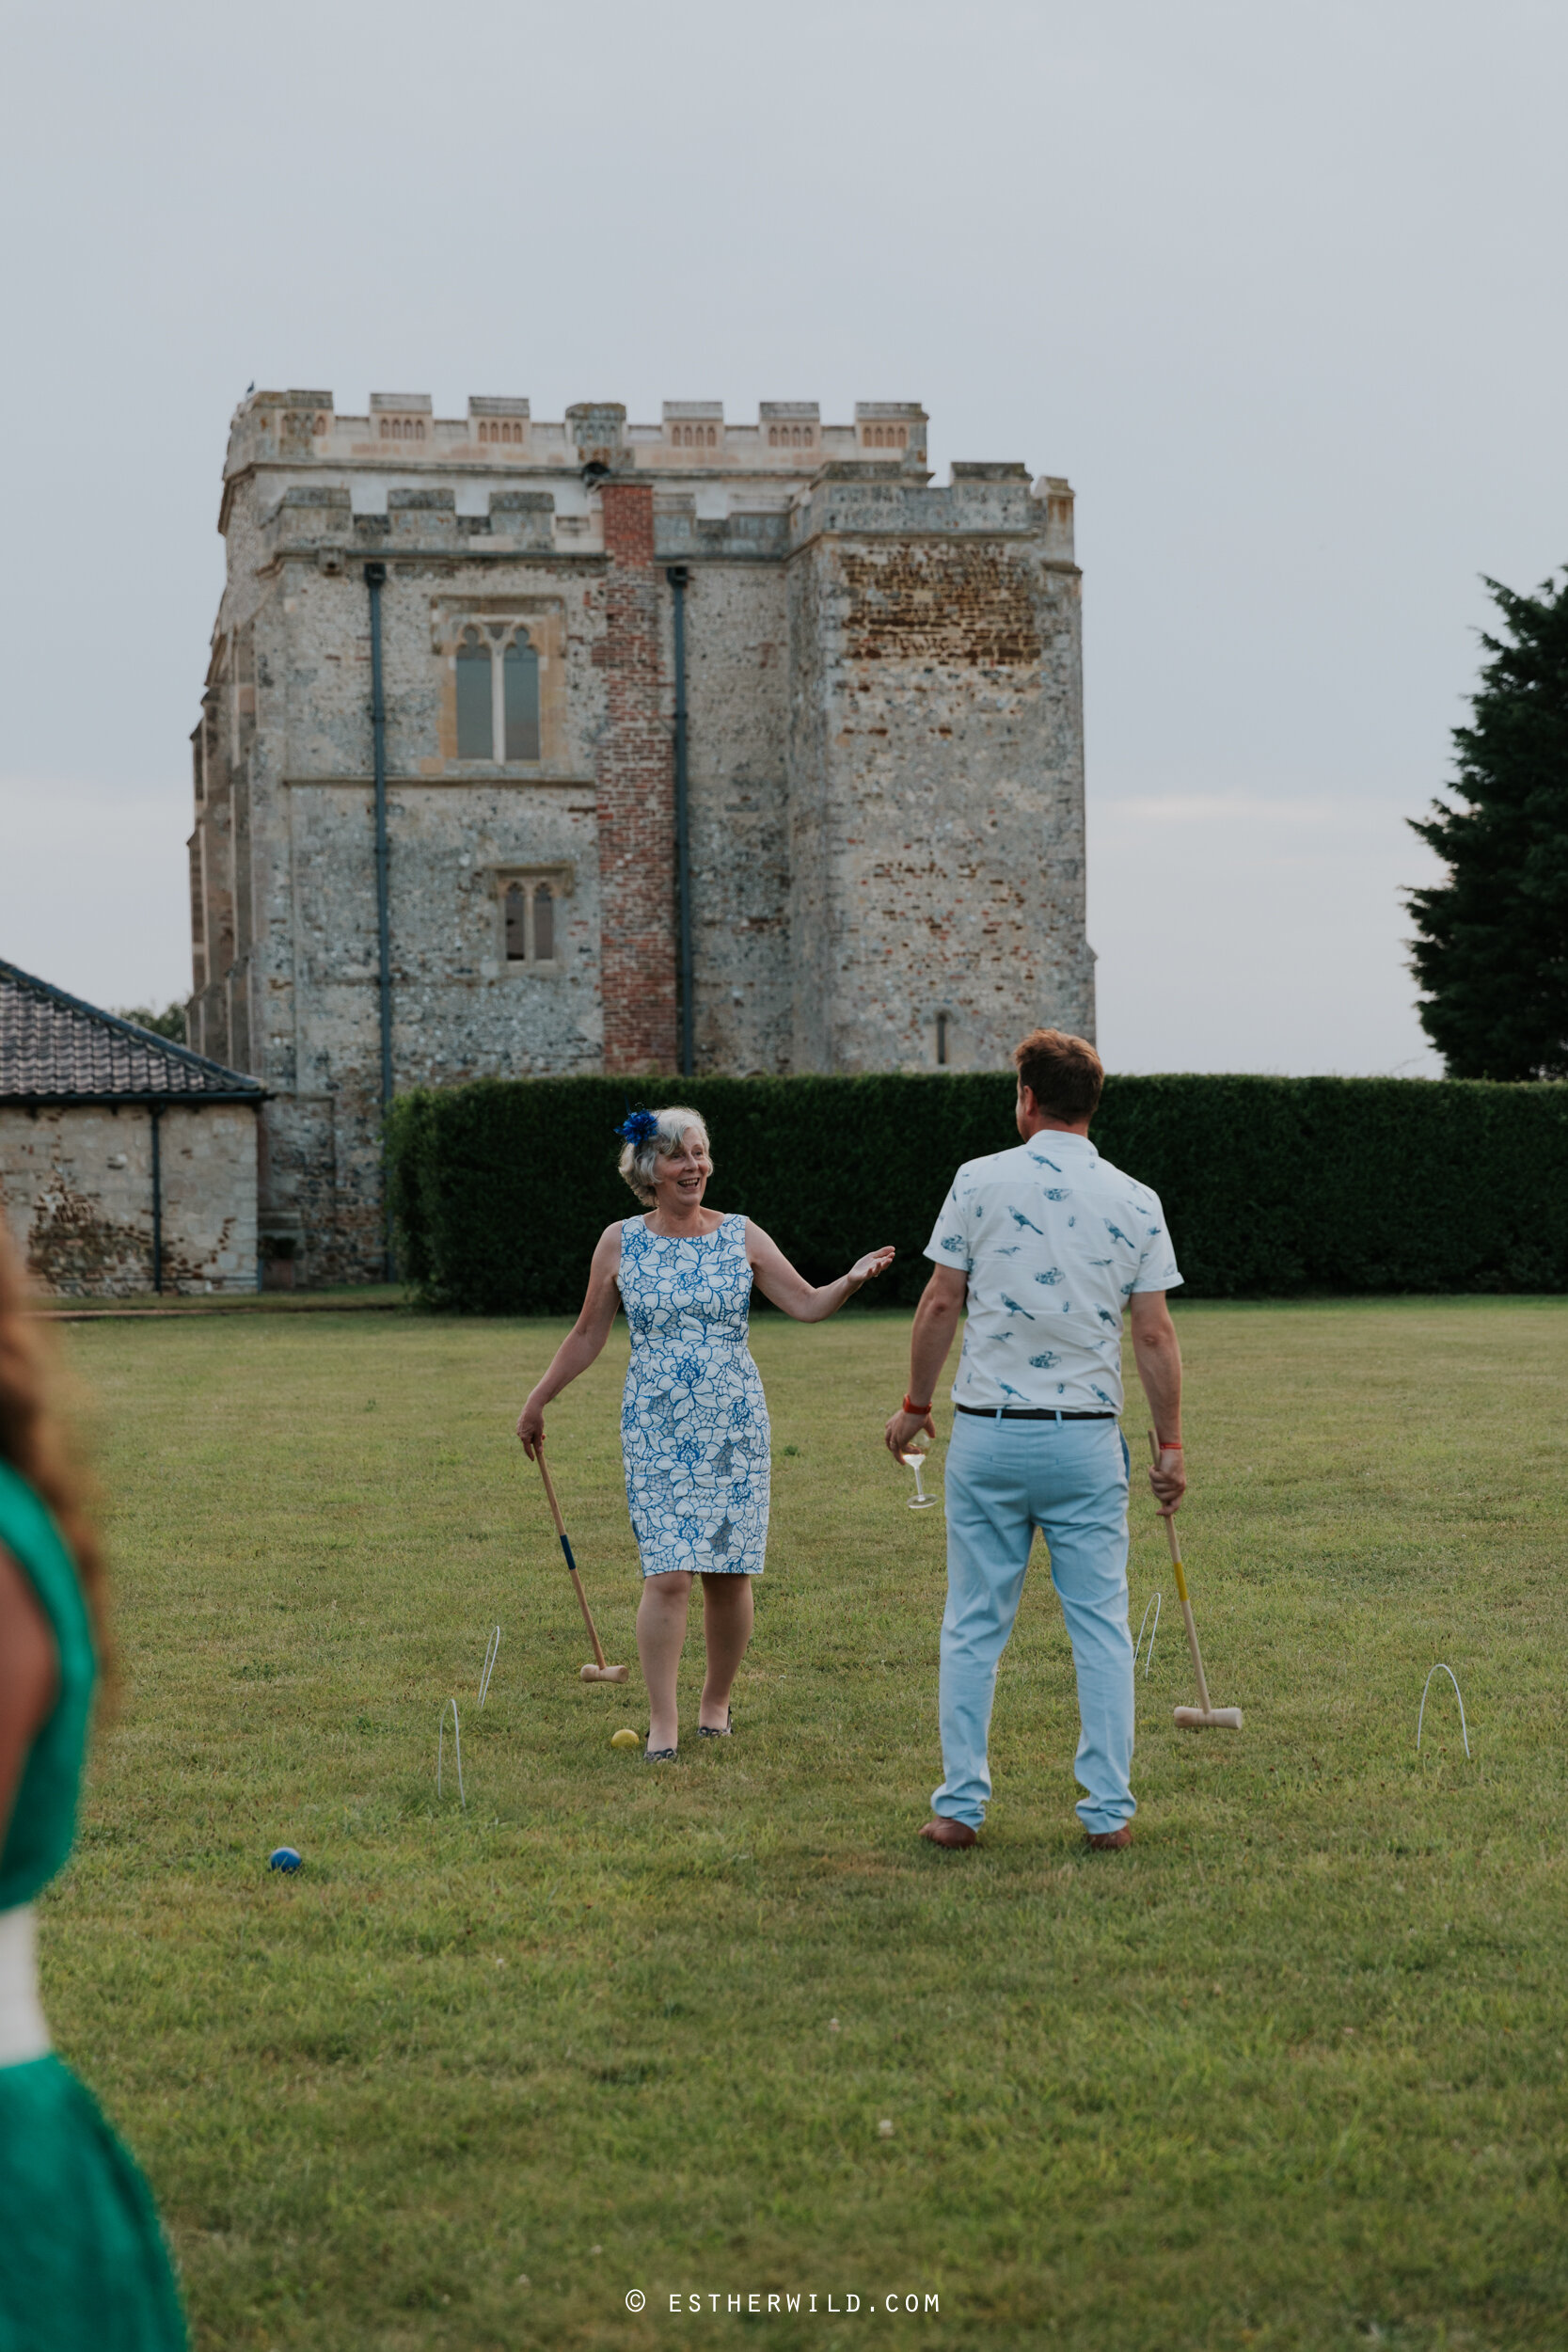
[(636, 798)]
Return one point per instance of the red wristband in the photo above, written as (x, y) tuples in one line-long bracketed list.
[(1172, 1445), (914, 1408)]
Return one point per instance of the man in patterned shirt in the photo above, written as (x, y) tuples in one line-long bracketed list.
[(1048, 1244)]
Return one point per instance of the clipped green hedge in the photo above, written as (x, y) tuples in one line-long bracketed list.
[(1271, 1185)]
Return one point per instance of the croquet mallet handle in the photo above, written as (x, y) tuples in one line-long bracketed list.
[(1174, 1540), (576, 1581)]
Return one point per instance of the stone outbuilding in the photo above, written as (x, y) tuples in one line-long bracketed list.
[(127, 1162)]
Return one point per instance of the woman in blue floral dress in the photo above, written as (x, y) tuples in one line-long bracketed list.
[(694, 1420)]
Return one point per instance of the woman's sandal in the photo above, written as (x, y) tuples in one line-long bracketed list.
[(659, 1755), (712, 1731)]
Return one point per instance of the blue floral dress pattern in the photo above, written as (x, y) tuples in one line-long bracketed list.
[(694, 1431)]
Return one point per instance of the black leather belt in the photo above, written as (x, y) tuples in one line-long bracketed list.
[(1027, 1412)]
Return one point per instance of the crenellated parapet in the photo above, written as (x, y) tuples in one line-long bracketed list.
[(314, 481), (400, 430), (997, 501)]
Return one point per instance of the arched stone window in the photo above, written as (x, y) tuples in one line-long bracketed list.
[(543, 923), (520, 697), (531, 917), (497, 666), (476, 730)]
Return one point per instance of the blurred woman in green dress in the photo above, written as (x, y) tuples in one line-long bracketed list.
[(83, 2265)]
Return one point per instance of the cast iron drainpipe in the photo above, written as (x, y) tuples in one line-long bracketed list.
[(375, 579), (157, 1113), (677, 576)]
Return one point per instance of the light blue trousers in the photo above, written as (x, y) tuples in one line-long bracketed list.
[(1004, 1479)]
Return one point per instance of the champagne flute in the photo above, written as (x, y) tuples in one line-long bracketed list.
[(920, 1499)]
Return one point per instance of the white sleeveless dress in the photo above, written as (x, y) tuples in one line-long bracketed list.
[(694, 1429)]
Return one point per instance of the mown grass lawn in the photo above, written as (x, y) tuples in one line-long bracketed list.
[(1288, 2073)]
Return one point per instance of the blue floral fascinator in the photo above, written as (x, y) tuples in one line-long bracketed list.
[(637, 1128)]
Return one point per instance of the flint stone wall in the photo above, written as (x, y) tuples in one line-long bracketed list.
[(76, 1182), (936, 796)]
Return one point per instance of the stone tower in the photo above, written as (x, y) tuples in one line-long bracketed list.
[(880, 762)]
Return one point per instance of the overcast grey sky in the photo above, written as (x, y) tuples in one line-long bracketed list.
[(1280, 287)]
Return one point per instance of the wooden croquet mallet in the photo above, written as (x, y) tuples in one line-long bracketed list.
[(1202, 1717), (598, 1672)]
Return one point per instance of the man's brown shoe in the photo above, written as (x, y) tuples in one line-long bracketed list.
[(942, 1832), (1109, 1840)]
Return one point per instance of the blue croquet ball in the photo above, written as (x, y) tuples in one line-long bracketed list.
[(284, 1858)]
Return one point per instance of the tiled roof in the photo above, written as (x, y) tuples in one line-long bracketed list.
[(54, 1048)]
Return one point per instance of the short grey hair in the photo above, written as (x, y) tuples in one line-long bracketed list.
[(636, 1159)]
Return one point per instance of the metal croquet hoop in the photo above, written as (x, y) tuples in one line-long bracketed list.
[(457, 1746), (1464, 1730), (492, 1653), (1149, 1653)]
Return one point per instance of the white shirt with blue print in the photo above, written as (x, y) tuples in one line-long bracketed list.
[(1054, 1241)]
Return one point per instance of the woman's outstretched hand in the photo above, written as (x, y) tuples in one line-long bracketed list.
[(779, 1280), (530, 1428)]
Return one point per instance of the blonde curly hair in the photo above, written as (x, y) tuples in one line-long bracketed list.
[(636, 1159)]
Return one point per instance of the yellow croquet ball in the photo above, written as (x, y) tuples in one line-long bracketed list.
[(623, 1739)]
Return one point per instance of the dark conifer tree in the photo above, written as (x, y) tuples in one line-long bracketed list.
[(1493, 954)]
